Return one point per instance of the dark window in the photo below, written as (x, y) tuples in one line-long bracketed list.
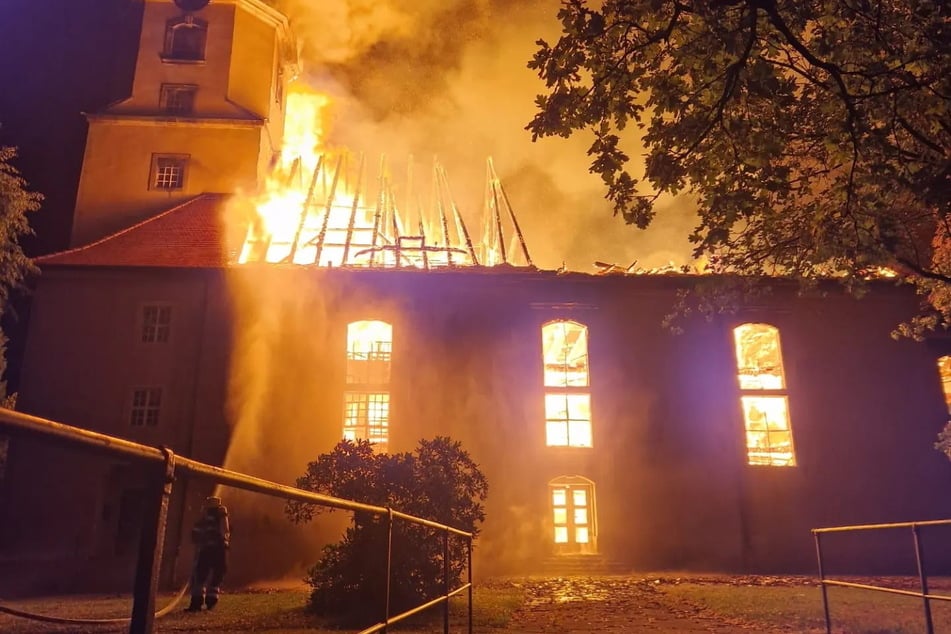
[(156, 323), (168, 172), (185, 39), (178, 98), (146, 403)]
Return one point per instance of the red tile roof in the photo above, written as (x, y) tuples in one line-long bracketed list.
[(190, 235)]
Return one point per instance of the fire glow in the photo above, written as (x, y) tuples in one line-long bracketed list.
[(321, 208)]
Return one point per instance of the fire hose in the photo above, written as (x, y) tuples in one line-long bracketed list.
[(57, 619)]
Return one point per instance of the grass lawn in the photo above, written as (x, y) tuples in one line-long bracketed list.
[(281, 611), (749, 603), (798, 608)]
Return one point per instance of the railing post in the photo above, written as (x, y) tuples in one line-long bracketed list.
[(469, 566), (445, 581), (151, 543), (822, 581), (389, 564), (923, 577)]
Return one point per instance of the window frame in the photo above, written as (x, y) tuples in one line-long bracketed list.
[(169, 90), (149, 334), (566, 389), (365, 379), (169, 53), (570, 484), (182, 160), (749, 392), (139, 413)]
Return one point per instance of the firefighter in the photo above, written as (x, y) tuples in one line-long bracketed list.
[(211, 536)]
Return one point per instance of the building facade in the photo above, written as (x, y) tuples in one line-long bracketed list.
[(609, 441)]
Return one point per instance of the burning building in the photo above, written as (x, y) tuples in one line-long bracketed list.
[(247, 298)]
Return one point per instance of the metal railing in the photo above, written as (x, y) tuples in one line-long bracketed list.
[(167, 465), (923, 594)]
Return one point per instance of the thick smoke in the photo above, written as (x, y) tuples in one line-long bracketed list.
[(448, 79), (434, 78)]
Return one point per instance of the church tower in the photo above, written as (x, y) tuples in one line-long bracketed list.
[(205, 113)]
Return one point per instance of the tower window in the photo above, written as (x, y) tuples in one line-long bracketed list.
[(185, 39), (168, 171), (177, 98)]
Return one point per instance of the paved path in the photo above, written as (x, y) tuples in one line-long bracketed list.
[(610, 605)]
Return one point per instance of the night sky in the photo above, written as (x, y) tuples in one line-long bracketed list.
[(58, 58)]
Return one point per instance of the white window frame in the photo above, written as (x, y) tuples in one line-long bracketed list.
[(562, 420), (169, 172)]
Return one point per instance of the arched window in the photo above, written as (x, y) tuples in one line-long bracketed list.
[(574, 525), (185, 39), (567, 395), (763, 396), (367, 397), (944, 371)]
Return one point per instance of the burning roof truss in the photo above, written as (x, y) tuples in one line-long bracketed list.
[(336, 216)]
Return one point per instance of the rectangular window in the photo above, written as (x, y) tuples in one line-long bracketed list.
[(763, 397), (568, 419), (156, 323), (768, 436), (566, 381), (168, 171), (146, 404), (367, 417), (177, 98), (185, 39), (572, 507)]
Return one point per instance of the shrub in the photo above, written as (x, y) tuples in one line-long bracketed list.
[(439, 482)]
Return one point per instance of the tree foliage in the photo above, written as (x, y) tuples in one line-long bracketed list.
[(16, 201), (815, 135), (439, 482)]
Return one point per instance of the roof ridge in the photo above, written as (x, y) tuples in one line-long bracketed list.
[(141, 223)]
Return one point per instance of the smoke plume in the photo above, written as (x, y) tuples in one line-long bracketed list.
[(448, 79)]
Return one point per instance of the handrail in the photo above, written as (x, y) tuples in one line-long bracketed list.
[(150, 553), (923, 594)]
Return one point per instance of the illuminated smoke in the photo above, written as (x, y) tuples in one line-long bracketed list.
[(449, 79), (434, 78)]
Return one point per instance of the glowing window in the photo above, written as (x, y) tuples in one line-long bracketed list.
[(567, 401), (185, 39), (367, 399), (944, 371), (573, 520), (369, 348), (763, 397), (367, 416), (565, 348)]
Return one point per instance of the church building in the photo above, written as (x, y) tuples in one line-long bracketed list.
[(181, 316)]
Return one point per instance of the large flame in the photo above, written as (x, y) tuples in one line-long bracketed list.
[(318, 207)]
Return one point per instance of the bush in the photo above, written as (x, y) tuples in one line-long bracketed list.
[(439, 482)]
